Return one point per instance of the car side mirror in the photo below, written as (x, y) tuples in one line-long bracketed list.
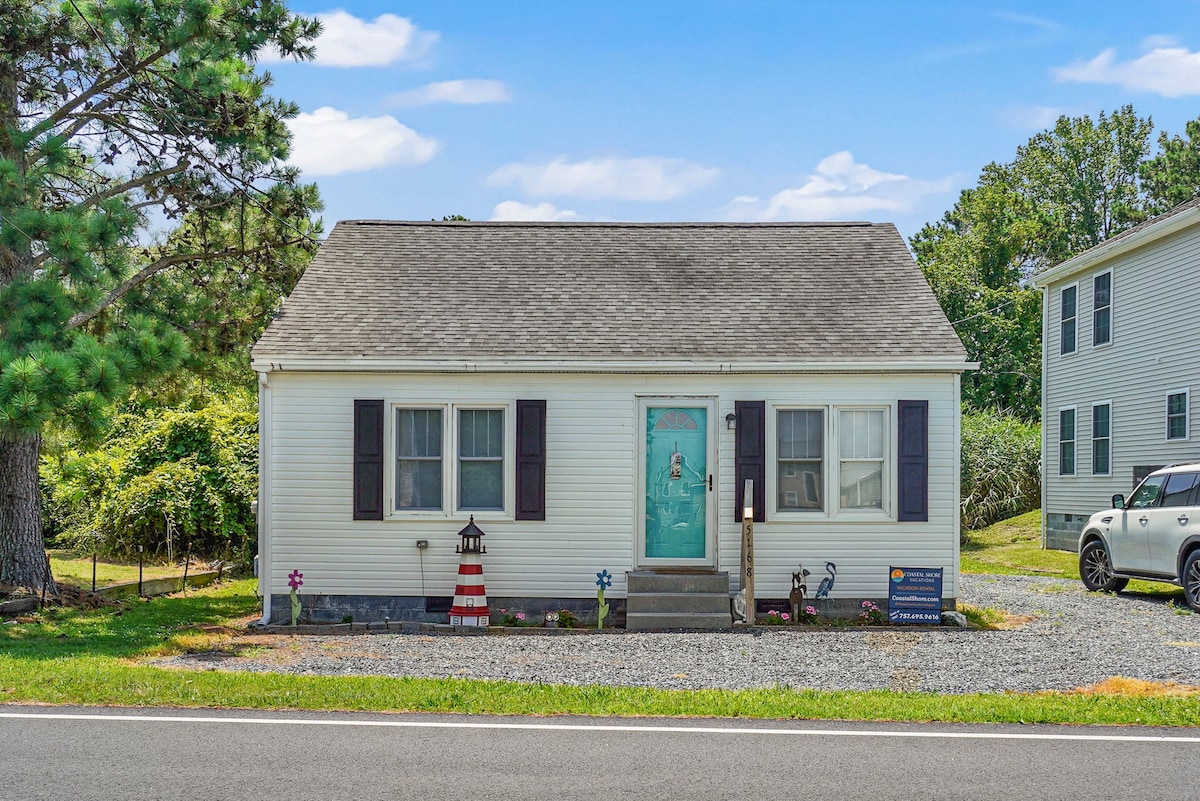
[(1118, 501)]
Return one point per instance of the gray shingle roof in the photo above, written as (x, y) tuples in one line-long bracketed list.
[(790, 292)]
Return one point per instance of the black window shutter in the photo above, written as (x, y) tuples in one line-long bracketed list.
[(750, 457), (912, 460), (368, 460), (531, 460)]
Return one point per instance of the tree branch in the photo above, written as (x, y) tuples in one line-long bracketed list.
[(147, 272), (120, 73)]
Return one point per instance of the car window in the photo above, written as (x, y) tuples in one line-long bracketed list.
[(1178, 489), (1147, 494)]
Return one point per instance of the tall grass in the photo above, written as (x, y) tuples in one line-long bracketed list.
[(1001, 467)]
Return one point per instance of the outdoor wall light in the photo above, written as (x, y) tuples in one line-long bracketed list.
[(730, 421)]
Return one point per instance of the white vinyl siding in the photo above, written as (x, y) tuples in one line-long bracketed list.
[(1150, 357), (591, 521)]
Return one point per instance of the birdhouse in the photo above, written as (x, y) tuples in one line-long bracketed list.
[(470, 606)]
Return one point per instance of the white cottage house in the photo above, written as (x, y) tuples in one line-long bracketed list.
[(1118, 367), (595, 396)]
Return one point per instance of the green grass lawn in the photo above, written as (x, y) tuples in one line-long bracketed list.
[(75, 570), (1014, 547), (73, 656)]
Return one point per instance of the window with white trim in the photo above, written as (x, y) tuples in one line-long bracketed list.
[(1102, 439), (800, 459), (839, 451), (1102, 309), (1177, 415), (419, 459), (480, 459), (1067, 309), (451, 458), (1066, 441), (861, 463)]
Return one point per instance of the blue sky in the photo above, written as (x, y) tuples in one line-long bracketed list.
[(709, 111)]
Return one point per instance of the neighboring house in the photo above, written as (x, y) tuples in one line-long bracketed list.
[(595, 396), (1118, 367)]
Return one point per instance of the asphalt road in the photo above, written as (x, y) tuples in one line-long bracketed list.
[(115, 754)]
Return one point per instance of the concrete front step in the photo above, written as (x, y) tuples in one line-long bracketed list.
[(681, 600), (643, 621), (672, 602), (647, 581)]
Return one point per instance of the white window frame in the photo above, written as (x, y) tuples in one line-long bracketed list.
[(773, 461), (1187, 415), (1095, 311), (831, 464), (450, 460), (394, 457), (1058, 460), (1108, 439), (1062, 320)]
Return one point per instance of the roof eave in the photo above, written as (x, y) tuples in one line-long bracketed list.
[(1117, 246), (310, 364)]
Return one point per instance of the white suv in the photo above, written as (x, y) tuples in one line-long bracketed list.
[(1150, 536)]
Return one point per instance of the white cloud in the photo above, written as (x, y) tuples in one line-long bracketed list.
[(464, 92), (839, 189), (330, 142), (1166, 69), (514, 210), (648, 178), (347, 41)]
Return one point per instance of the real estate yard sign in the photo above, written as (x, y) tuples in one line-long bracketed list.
[(915, 595)]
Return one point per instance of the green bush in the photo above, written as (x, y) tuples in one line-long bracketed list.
[(184, 474), (1001, 467)]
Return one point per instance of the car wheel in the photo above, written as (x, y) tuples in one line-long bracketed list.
[(1191, 580), (1095, 569)]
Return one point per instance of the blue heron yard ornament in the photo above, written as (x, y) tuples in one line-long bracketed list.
[(827, 583), (603, 580), (294, 582)]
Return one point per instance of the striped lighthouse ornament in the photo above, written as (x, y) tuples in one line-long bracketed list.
[(470, 599)]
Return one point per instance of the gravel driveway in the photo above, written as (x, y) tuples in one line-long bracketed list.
[(1073, 638)]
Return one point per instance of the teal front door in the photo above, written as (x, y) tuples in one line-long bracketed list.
[(677, 477)]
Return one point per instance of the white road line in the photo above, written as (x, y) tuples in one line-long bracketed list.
[(606, 727)]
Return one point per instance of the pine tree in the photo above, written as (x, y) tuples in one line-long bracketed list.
[(118, 117)]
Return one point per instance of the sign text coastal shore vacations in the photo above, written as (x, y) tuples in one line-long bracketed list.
[(915, 595)]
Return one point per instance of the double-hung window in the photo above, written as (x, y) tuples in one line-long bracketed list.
[(861, 458), (419, 459), (1101, 439), (1177, 415), (1066, 442), (841, 451), (800, 454), (1067, 310), (1102, 309), (480, 459), (463, 448)]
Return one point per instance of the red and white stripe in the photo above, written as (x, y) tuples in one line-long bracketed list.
[(470, 599)]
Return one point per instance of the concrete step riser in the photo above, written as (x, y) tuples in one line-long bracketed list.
[(636, 622), (641, 582), (651, 603)]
